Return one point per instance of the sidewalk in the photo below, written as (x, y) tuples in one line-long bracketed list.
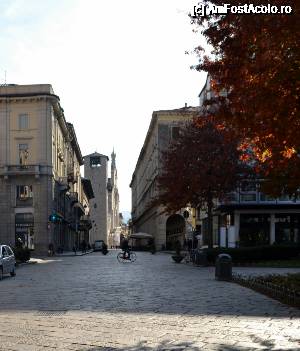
[(71, 253)]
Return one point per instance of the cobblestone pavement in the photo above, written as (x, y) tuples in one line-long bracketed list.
[(94, 303)]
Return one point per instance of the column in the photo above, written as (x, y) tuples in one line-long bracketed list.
[(272, 228), (237, 226)]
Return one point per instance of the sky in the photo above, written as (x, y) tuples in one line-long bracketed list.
[(112, 63)]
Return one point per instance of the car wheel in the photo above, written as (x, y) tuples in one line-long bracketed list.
[(1, 273), (13, 272)]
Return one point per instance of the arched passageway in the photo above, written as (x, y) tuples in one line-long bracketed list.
[(175, 230)]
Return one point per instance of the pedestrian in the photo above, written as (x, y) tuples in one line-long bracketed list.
[(104, 249), (74, 249), (51, 250), (83, 246)]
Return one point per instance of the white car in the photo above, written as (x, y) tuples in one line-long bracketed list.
[(7, 261)]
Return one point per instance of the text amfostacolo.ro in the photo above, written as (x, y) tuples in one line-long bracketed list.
[(201, 10)]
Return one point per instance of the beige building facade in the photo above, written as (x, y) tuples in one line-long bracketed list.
[(166, 229), (41, 194)]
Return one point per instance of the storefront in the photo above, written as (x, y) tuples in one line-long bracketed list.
[(24, 229), (257, 225)]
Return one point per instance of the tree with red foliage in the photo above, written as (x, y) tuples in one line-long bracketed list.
[(256, 59), (200, 166)]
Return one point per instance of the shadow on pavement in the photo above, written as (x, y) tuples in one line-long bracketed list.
[(190, 346)]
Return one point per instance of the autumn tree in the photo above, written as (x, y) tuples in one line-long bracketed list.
[(255, 58), (201, 165)]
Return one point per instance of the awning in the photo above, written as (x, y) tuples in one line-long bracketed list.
[(141, 236)]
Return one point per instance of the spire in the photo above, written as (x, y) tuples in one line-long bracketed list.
[(113, 159)]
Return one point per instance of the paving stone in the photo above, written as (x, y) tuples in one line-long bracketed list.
[(94, 303)]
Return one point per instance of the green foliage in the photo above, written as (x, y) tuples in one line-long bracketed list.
[(22, 254), (254, 254), (289, 281)]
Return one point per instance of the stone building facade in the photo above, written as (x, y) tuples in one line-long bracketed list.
[(164, 127), (95, 169), (40, 184), (105, 205)]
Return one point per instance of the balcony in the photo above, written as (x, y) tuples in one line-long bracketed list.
[(73, 197), (85, 223), (71, 175), (24, 202), (19, 170)]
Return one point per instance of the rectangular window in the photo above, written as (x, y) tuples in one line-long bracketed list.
[(23, 121), (95, 161), (264, 197), (24, 192), (284, 198), (23, 147), (248, 197), (175, 132)]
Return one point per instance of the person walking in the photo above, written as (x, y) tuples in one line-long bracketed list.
[(83, 246)]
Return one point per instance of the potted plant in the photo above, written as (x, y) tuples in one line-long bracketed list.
[(177, 257)]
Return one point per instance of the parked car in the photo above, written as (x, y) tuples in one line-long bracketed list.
[(7, 261), (98, 245)]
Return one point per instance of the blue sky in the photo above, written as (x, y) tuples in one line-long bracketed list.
[(111, 62)]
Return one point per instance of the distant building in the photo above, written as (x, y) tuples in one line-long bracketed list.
[(95, 169), (41, 193), (166, 229)]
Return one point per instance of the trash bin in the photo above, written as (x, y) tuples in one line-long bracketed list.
[(200, 258), (223, 267)]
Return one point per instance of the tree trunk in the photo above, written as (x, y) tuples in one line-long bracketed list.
[(210, 224)]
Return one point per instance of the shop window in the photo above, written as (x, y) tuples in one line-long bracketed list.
[(264, 197), (248, 197), (284, 198)]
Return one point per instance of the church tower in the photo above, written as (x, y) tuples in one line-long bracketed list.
[(113, 202)]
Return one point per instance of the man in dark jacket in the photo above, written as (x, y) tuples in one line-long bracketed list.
[(125, 248)]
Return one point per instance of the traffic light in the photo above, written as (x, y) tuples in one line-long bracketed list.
[(54, 218)]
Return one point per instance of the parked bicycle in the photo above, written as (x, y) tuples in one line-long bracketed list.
[(190, 256), (124, 257)]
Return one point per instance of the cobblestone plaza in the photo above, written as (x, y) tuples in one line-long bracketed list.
[(94, 303)]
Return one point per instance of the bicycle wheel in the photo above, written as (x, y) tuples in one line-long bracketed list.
[(120, 257), (132, 256)]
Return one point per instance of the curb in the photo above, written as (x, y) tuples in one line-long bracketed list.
[(25, 263), (73, 255)]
